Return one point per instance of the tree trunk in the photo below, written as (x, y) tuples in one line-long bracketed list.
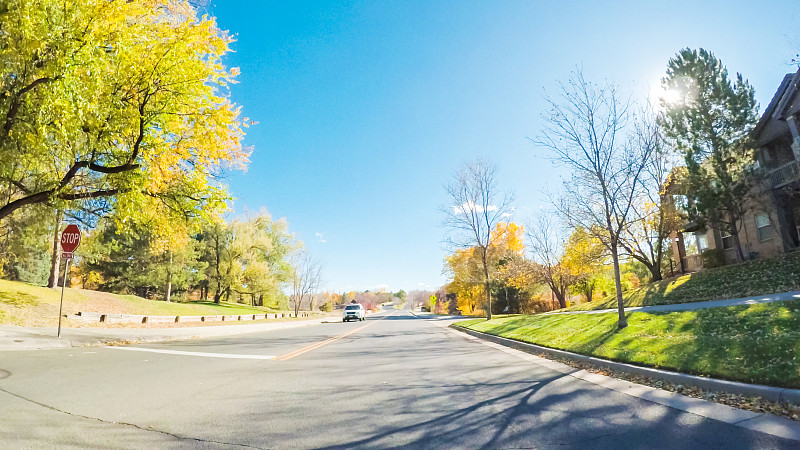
[(486, 286), (655, 271), (218, 293), (623, 322), (561, 297), (168, 291), (55, 258), (737, 244)]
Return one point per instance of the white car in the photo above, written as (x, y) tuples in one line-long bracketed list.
[(353, 311)]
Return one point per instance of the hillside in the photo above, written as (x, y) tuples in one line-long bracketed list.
[(758, 277), (28, 305)]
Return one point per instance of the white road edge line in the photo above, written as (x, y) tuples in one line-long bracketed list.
[(202, 354)]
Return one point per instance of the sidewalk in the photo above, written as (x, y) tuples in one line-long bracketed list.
[(769, 298), (21, 338)]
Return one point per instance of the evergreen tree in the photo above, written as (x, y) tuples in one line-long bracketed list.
[(710, 116)]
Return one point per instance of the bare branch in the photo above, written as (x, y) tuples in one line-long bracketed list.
[(476, 207)]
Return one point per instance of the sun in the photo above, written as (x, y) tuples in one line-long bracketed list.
[(671, 96)]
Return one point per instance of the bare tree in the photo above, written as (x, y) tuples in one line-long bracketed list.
[(418, 298), (645, 237), (547, 249), (584, 131), (306, 277), (477, 207)]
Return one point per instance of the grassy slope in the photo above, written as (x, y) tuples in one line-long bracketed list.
[(763, 276), (755, 344), (27, 305)]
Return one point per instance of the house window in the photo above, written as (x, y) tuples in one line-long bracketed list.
[(702, 242), (727, 240), (763, 226)]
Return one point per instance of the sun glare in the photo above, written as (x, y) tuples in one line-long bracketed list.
[(670, 96)]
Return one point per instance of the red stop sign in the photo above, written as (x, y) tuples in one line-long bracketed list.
[(70, 238)]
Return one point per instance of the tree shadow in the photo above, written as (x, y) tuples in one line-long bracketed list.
[(749, 343), (411, 387)]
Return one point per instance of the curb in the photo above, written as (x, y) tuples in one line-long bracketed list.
[(139, 318), (772, 393), (44, 342), (760, 422)]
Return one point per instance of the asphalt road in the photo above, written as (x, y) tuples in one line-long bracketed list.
[(394, 381)]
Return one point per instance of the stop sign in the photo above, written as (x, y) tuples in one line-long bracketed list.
[(70, 238)]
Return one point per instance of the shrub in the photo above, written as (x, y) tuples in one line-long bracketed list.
[(713, 257), (629, 281)]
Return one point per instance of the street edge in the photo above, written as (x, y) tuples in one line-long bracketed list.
[(762, 422), (51, 343)]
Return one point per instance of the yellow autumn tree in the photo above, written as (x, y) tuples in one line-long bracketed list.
[(584, 258), (464, 270), (506, 264), (508, 255), (116, 101)]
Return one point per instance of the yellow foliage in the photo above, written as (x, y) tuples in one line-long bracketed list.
[(584, 254), (509, 237), (130, 100), (470, 299)]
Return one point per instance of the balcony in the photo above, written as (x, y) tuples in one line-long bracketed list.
[(784, 174)]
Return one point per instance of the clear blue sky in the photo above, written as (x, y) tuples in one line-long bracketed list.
[(365, 109)]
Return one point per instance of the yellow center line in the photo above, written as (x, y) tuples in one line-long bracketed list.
[(317, 345)]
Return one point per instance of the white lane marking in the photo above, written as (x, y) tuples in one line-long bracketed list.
[(203, 354)]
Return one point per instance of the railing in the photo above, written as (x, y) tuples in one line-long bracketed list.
[(784, 174)]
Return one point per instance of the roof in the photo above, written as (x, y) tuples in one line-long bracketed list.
[(781, 102)]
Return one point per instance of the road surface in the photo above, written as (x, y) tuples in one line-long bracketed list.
[(393, 381)]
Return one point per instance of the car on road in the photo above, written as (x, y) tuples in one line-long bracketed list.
[(353, 311)]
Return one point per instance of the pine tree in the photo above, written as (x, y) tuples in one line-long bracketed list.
[(710, 116)]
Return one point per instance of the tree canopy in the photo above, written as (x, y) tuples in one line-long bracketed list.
[(116, 100), (710, 117)]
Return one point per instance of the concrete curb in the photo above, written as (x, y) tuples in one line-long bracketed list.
[(772, 393), (761, 422), (23, 339), (138, 318)]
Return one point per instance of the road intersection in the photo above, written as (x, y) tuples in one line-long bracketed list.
[(395, 380)]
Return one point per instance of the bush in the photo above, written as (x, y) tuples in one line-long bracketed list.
[(713, 257), (629, 281)]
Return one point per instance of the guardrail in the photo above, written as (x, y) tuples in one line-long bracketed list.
[(138, 318)]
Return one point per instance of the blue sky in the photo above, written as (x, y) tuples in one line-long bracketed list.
[(365, 109)]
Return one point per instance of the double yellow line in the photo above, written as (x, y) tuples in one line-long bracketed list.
[(317, 345)]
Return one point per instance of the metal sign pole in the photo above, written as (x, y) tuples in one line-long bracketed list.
[(61, 305)]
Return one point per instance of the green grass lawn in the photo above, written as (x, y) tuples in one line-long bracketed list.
[(762, 276), (754, 344), (27, 305)]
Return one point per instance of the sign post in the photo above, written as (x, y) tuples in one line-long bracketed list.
[(70, 239)]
